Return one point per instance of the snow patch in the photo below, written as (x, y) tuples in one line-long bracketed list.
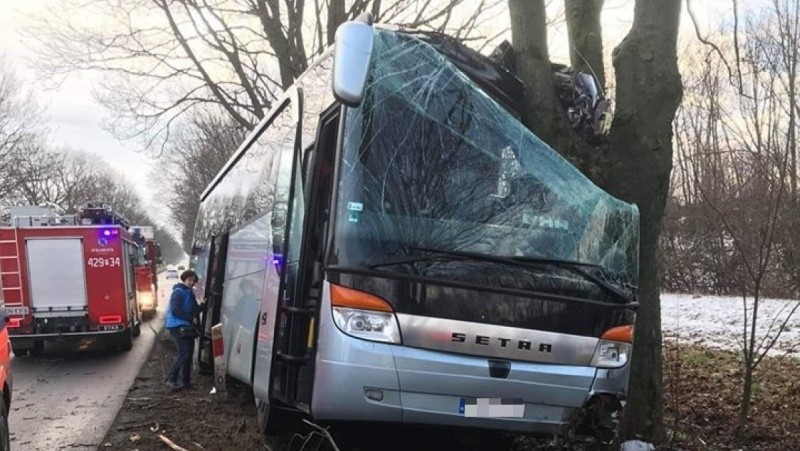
[(718, 322), (637, 445)]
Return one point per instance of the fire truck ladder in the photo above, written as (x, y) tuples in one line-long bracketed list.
[(13, 269)]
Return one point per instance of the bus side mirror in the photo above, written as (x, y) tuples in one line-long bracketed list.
[(353, 50)]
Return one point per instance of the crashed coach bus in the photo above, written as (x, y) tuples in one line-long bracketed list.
[(390, 244)]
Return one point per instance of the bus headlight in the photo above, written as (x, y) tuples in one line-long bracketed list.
[(611, 354), (364, 315), (369, 325), (614, 348)]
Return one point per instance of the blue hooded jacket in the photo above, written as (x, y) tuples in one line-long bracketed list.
[(182, 306)]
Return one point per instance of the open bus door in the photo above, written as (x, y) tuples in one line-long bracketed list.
[(210, 309), (301, 277)]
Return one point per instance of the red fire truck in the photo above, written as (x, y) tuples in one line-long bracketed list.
[(147, 270), (69, 277)]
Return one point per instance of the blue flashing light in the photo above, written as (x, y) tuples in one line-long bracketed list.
[(106, 233), (277, 261)]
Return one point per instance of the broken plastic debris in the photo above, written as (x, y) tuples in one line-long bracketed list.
[(213, 391)]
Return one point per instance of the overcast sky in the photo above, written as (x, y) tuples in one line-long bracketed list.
[(75, 118)]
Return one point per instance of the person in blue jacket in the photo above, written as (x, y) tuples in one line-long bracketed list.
[(181, 312)]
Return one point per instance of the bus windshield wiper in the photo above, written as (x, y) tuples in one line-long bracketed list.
[(536, 262), (414, 259)]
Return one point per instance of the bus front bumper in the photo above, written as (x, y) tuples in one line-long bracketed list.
[(358, 380)]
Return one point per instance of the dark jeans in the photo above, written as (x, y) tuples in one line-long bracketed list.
[(183, 358)]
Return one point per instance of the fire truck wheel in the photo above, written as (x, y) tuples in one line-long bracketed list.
[(137, 329), (126, 340), (38, 348), (5, 436)]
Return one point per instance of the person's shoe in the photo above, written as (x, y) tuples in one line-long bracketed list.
[(174, 386)]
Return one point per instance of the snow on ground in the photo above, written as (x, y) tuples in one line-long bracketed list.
[(718, 322)]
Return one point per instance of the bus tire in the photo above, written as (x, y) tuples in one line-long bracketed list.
[(277, 420), (38, 348), (267, 421)]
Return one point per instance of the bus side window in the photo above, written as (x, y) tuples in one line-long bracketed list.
[(279, 219)]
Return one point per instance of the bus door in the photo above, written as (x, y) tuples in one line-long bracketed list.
[(301, 283), (210, 309)]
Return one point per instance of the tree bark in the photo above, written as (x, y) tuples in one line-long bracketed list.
[(586, 37), (542, 111), (649, 91), (636, 168), (336, 16)]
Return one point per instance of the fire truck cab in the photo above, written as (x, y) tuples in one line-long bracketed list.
[(69, 277), (146, 270)]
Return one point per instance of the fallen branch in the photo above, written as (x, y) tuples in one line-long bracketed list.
[(324, 432), (170, 443), (134, 426)]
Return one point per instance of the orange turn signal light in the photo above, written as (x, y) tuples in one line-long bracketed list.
[(350, 298), (619, 333)]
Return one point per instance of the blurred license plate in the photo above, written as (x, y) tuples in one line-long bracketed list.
[(492, 407), (16, 311)]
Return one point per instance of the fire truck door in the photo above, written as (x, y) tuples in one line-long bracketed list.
[(57, 278)]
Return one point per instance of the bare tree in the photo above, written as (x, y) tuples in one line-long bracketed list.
[(20, 128), (751, 190), (199, 151), (166, 58), (635, 165)]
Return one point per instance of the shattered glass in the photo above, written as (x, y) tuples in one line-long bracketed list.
[(430, 161)]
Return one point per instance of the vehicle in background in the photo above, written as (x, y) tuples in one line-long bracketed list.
[(148, 257), (401, 249), (172, 274), (69, 277), (6, 380)]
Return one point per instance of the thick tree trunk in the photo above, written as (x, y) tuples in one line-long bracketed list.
[(649, 91), (336, 16), (529, 33), (586, 37), (637, 166), (543, 113)]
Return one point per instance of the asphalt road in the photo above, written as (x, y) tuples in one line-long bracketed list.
[(69, 397)]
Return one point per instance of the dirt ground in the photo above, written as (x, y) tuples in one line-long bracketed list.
[(701, 391), (197, 420), (193, 419)]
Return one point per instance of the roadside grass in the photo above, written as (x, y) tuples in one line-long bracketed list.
[(702, 393)]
